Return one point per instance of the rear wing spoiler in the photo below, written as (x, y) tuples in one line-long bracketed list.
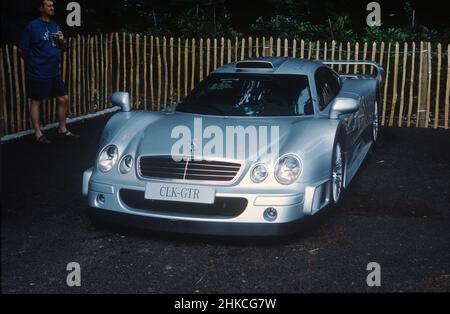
[(379, 75)]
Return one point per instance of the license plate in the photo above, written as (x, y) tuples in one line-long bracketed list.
[(180, 193)]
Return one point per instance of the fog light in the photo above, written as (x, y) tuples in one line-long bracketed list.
[(270, 214), (101, 199)]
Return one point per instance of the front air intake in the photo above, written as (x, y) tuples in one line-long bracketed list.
[(166, 167)]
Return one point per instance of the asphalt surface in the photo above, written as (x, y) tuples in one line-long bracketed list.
[(396, 213)]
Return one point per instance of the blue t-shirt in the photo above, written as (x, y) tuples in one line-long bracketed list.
[(43, 52)]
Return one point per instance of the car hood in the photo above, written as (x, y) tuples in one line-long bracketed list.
[(160, 136)]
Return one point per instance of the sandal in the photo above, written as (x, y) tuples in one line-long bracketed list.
[(43, 140), (68, 135)]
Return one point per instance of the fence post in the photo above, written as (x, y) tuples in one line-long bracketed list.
[(171, 71), (179, 70), (317, 50), (374, 53), (83, 68), (93, 77), (294, 48), (26, 101), (138, 66), (193, 64), (278, 47), (438, 88), (158, 58), (229, 51), (429, 85), (411, 84), (364, 56), (236, 46), (222, 51), (215, 53), (4, 110), (74, 77), (402, 95), (286, 47), (152, 85), (124, 55), (79, 65), (271, 47), (131, 40), (144, 79), (257, 47), (118, 62), (208, 55), (186, 66), (422, 106), (17, 89), (386, 84), (110, 76), (88, 74), (447, 90), (166, 69), (309, 50), (394, 85)]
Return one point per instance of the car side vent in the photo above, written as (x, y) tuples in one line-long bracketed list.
[(254, 64)]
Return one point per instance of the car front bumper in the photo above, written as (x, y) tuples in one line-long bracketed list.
[(107, 204)]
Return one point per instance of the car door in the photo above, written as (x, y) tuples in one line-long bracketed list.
[(328, 86)]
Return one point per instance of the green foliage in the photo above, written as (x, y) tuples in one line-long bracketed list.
[(202, 21), (338, 28), (404, 34), (300, 19)]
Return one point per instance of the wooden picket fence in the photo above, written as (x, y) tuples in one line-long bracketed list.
[(158, 71)]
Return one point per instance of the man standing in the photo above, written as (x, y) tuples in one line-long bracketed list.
[(40, 46)]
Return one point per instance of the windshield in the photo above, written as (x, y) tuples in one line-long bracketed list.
[(250, 95)]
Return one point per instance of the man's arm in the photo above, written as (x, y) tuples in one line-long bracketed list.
[(62, 41), (25, 40)]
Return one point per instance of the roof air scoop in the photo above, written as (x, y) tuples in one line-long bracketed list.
[(254, 64)]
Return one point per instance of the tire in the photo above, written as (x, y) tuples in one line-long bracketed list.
[(337, 172), (375, 124)]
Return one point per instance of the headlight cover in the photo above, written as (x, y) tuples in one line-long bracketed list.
[(108, 158), (259, 173), (288, 169), (126, 164)]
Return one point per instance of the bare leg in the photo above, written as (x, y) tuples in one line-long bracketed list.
[(63, 103), (34, 111)]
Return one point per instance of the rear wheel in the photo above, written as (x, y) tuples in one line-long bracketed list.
[(375, 123), (337, 173)]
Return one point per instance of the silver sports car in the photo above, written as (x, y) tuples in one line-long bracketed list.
[(254, 148)]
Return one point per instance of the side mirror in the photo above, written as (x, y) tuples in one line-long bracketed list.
[(343, 105), (122, 100)]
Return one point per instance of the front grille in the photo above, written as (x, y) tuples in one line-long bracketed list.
[(167, 168), (223, 207)]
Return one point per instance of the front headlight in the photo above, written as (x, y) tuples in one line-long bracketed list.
[(259, 173), (288, 169), (126, 164), (108, 158)]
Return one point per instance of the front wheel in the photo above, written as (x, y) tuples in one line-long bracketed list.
[(337, 173)]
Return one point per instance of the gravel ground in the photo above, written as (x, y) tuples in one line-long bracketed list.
[(396, 213)]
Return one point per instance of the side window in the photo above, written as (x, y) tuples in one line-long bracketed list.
[(328, 86)]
